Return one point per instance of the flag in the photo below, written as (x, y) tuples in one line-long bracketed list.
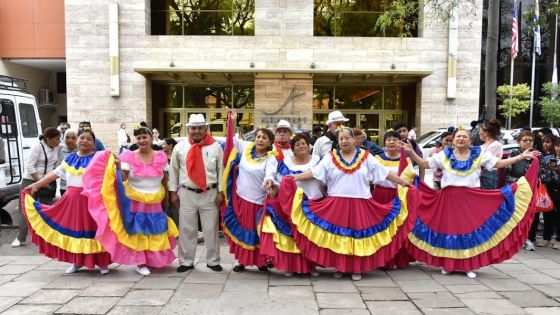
[(514, 30), (537, 29)]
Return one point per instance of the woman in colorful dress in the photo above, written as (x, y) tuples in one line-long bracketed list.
[(460, 228), (276, 241), (70, 138), (348, 230), (132, 225), (66, 231), (249, 177)]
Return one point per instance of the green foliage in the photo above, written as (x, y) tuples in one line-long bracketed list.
[(550, 103), (401, 15), (517, 99)]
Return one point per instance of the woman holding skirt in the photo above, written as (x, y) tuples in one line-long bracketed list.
[(65, 230)]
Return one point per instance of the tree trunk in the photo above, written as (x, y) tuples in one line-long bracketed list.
[(491, 62)]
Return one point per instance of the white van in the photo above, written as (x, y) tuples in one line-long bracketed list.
[(20, 127)]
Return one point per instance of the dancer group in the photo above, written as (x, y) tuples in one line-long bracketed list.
[(282, 207)]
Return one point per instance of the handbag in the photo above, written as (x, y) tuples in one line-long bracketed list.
[(544, 202), (49, 191)]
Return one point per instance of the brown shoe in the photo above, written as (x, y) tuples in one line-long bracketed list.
[(543, 243)]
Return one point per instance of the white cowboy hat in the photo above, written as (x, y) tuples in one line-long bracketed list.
[(197, 120), (283, 124), (336, 116)]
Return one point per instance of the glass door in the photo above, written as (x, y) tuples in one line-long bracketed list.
[(172, 122)]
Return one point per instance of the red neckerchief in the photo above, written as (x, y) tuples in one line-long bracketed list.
[(279, 147), (195, 162)]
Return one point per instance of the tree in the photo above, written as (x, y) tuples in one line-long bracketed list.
[(550, 103), (491, 62), (517, 99)]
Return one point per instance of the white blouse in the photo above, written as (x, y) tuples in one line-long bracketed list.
[(143, 183), (251, 178), (393, 168), (311, 187), (354, 185)]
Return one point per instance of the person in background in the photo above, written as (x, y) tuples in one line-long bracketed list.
[(157, 140), (325, 144), (544, 131), (63, 126), (282, 135), (446, 141), (43, 158), (122, 138), (70, 145), (85, 125), (489, 134), (412, 133), (363, 142), (401, 128), (550, 218), (317, 133), (170, 209), (167, 147)]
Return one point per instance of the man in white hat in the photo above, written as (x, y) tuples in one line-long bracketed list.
[(195, 189), (326, 143), (282, 135)]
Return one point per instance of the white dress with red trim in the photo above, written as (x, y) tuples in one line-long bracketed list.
[(65, 230), (348, 230), (463, 228), (131, 223)]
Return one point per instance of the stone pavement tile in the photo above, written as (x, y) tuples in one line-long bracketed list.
[(465, 288), (541, 263), (276, 279), (146, 297), (169, 271), (291, 293), (201, 267), (51, 297), (198, 291), (491, 273), (435, 300), (7, 259), (392, 307), (136, 310), (88, 305), (382, 294), (377, 278), (529, 299), (478, 295), (34, 309), (20, 288), (454, 278), (10, 269), (210, 278), (6, 278), (505, 285), (118, 275), (246, 285), (7, 301), (536, 278), (333, 285), (108, 289), (40, 275), (492, 306), (348, 311), (543, 310), (447, 311), (551, 272), (412, 273), (514, 269), (410, 286), (54, 265), (282, 307), (201, 307), (340, 300), (31, 260), (158, 283), (549, 289), (71, 282), (251, 273)]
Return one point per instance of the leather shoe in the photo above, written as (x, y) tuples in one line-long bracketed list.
[(216, 268), (238, 268), (184, 268)]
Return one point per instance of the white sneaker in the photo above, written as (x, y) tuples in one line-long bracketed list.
[(288, 274), (143, 271), (471, 274), (104, 270), (530, 246), (445, 272), (356, 276), (314, 273), (338, 275), (16, 243), (72, 269)]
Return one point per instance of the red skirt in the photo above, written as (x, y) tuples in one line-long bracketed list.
[(65, 230)]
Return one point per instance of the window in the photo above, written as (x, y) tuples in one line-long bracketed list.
[(203, 17), (8, 127), (350, 18), (211, 97), (350, 97), (28, 121)]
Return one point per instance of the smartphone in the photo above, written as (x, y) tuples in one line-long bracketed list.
[(553, 162)]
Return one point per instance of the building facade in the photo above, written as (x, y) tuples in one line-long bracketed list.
[(160, 61)]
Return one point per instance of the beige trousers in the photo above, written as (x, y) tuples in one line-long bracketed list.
[(192, 205)]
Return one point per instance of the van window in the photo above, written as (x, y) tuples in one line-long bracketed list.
[(28, 121), (8, 125)]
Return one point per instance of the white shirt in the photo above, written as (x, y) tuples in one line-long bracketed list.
[(143, 184), (322, 146), (251, 178), (35, 163), (213, 156), (354, 185), (412, 134), (393, 168), (494, 148), (121, 138), (453, 178), (311, 187), (287, 152)]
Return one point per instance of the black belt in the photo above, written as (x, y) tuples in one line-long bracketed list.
[(200, 191)]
